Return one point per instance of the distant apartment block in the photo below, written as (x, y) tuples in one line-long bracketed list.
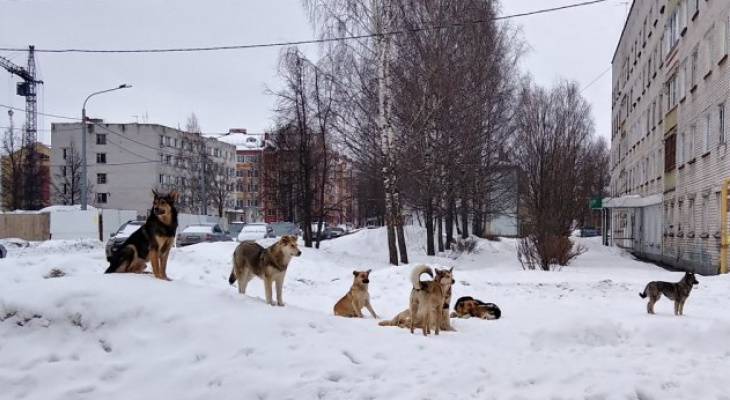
[(127, 161), (249, 204), (671, 87)]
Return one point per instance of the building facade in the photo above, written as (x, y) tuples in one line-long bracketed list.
[(248, 204), (127, 161), (671, 84)]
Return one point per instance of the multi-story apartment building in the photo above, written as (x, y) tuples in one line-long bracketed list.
[(249, 204), (671, 86), (126, 161)]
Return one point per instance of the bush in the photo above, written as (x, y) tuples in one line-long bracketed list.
[(461, 246), (549, 254)]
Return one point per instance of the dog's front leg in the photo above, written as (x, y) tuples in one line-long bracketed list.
[(370, 308), (164, 253), (279, 289), (267, 289), (356, 306), (155, 260)]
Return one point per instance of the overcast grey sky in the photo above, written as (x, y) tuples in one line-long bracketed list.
[(226, 89)]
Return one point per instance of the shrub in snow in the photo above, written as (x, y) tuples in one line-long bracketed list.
[(461, 246), (54, 273), (549, 252)]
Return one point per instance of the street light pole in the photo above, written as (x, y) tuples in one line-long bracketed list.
[(84, 182)]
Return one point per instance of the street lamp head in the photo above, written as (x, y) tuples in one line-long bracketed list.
[(124, 86)]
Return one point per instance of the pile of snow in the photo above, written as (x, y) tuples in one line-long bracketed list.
[(579, 333)]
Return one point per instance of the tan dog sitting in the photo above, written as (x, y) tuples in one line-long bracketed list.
[(358, 297)]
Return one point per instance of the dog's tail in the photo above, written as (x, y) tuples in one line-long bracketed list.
[(232, 278), (416, 275), (643, 294)]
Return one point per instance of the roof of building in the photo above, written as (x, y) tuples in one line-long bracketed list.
[(242, 140)]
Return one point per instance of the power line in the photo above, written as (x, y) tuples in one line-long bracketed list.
[(311, 41), (596, 79), (40, 113)]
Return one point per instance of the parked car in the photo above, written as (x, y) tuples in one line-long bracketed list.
[(234, 228), (285, 229), (3, 252), (255, 231), (588, 232), (333, 232), (200, 233), (116, 239)]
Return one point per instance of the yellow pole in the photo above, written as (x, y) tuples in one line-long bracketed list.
[(723, 228)]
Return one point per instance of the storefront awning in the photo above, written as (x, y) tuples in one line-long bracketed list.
[(632, 201)]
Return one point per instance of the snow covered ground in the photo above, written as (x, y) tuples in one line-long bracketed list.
[(582, 333)]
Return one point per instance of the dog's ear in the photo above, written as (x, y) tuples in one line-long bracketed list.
[(354, 273), (370, 270), (173, 195), (155, 194), (451, 269)]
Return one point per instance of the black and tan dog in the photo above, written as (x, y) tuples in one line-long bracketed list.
[(151, 242), (251, 259), (679, 292), (467, 307), (356, 298)]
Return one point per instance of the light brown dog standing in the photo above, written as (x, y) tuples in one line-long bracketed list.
[(358, 297), (427, 297), (251, 259)]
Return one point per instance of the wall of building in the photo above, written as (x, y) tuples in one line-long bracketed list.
[(671, 80), (127, 161)]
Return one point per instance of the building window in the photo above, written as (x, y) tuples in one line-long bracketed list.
[(691, 216), (162, 141), (271, 212), (672, 91), (691, 143), (168, 159), (680, 149), (101, 158), (162, 179), (695, 66), (101, 198), (167, 141), (670, 157), (706, 135), (253, 188), (100, 138), (66, 153), (705, 214), (239, 203), (721, 122), (63, 171), (239, 187), (101, 179), (239, 173)]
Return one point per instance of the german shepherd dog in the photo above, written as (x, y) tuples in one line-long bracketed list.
[(269, 264), (151, 242), (679, 292), (358, 297), (428, 297), (467, 307)]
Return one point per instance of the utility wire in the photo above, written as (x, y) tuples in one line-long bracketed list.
[(596, 79), (40, 113), (311, 41)]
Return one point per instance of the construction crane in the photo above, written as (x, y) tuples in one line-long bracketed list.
[(27, 89)]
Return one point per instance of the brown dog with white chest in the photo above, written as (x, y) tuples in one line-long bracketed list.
[(356, 298)]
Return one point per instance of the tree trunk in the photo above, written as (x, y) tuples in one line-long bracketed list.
[(464, 219), (439, 230), (449, 222), (430, 251)]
